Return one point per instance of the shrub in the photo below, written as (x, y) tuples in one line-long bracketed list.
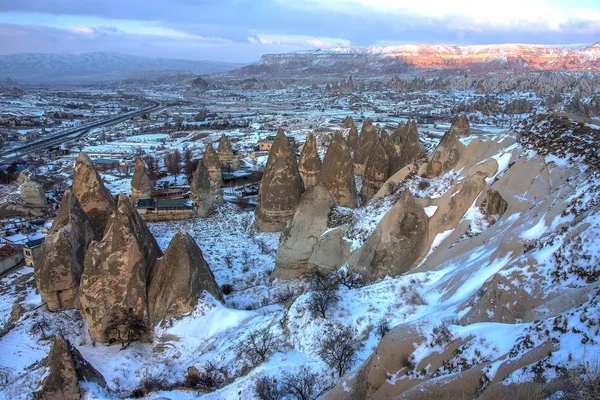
[(267, 388), (349, 279), (382, 327), (302, 385), (324, 294), (258, 345), (339, 347), (226, 289)]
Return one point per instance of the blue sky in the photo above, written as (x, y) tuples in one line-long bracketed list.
[(243, 30)]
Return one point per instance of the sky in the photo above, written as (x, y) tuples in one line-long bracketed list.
[(243, 30)]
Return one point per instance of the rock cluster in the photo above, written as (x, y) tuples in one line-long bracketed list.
[(302, 245), (309, 164), (225, 151), (406, 141), (337, 172), (58, 271), (66, 367), (280, 188), (382, 163), (461, 126), (205, 191), (141, 186), (95, 199), (366, 141), (446, 155), (115, 276), (212, 163), (33, 193), (178, 279)]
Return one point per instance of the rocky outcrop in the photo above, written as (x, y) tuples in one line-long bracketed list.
[(461, 126), (376, 173), (141, 186), (406, 142), (366, 141), (115, 276), (280, 188), (348, 122), (300, 237), (65, 369), (58, 271), (337, 172), (212, 163), (95, 199), (225, 151), (388, 145), (33, 193), (353, 137), (399, 240), (309, 165), (205, 191), (179, 279), (445, 156)]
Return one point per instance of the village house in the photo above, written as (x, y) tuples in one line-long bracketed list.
[(267, 143), (10, 256)]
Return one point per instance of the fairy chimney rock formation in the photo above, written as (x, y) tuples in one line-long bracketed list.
[(376, 172), (461, 126), (33, 193), (141, 186), (397, 243), (348, 122), (225, 151), (309, 165), (301, 236), (280, 188), (58, 271), (65, 369), (353, 137), (212, 163), (446, 155), (95, 199), (366, 141), (407, 141), (205, 191), (337, 172), (390, 150), (115, 276), (179, 279)]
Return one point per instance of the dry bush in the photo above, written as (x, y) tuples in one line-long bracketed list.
[(339, 347), (302, 385), (324, 295), (258, 345)]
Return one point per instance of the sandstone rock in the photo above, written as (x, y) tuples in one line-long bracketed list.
[(212, 163), (366, 141), (461, 126), (33, 193), (66, 368), (16, 312), (300, 237), (141, 186), (310, 163), (280, 188), (205, 191), (353, 138), (493, 203), (58, 271), (337, 172), (179, 279), (406, 141), (387, 143), (332, 250), (446, 155), (95, 199), (349, 122), (399, 240), (225, 151), (115, 275), (376, 172)]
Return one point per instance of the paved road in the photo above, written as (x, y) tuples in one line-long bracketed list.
[(70, 134)]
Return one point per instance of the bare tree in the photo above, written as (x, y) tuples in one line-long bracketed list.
[(304, 385), (324, 294), (339, 347), (258, 345), (267, 388), (152, 167), (189, 164), (173, 162)]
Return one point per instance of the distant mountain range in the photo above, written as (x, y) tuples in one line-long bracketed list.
[(400, 59), (94, 67)]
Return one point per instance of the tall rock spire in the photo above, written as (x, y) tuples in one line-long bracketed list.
[(310, 163), (337, 172)]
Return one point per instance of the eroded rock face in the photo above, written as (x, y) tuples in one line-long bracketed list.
[(387, 143), (446, 155), (212, 163), (225, 151), (280, 188), (493, 203), (348, 122), (95, 199), (66, 368), (141, 186), (300, 237), (406, 142), (310, 163), (353, 138), (205, 191), (179, 279), (396, 244), (337, 172), (376, 172), (461, 126), (58, 271), (115, 275), (33, 193), (366, 141)]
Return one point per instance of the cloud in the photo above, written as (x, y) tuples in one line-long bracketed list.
[(297, 41)]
